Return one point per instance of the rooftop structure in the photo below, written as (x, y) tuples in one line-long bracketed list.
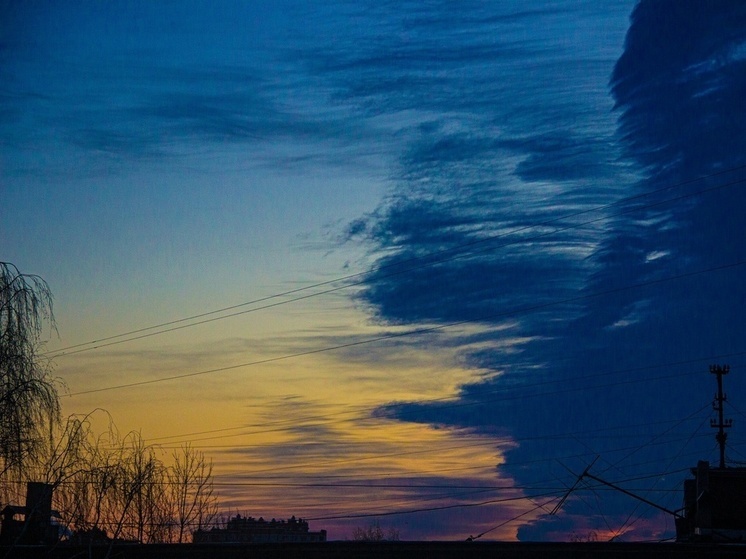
[(30, 524), (715, 500), (241, 529)]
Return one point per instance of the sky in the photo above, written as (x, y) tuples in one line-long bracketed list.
[(414, 263)]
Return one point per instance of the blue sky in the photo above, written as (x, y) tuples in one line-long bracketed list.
[(532, 206)]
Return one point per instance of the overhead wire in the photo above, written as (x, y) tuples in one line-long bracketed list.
[(431, 509), (424, 497), (412, 499), (411, 332), (549, 492), (428, 262), (356, 411), (371, 457), (421, 330), (513, 519), (337, 485), (546, 491), (628, 523), (593, 294), (551, 436), (632, 449), (658, 436), (371, 478)]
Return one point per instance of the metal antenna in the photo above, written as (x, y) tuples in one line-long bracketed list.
[(717, 405)]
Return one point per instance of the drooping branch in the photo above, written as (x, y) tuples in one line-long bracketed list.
[(28, 395)]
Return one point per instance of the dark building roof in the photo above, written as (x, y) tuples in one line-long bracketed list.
[(251, 530)]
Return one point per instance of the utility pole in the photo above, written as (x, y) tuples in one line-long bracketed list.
[(717, 405)]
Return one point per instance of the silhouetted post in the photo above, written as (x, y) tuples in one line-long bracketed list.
[(717, 405)]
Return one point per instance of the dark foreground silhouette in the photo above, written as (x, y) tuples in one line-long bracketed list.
[(388, 550)]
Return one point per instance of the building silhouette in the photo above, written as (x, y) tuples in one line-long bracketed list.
[(32, 523), (240, 529)]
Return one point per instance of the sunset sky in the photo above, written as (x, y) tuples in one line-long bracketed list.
[(414, 263)]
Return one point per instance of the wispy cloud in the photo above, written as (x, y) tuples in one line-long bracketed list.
[(564, 271), (643, 286), (151, 91)]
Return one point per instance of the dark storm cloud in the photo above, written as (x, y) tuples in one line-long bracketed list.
[(558, 157), (657, 285), (458, 193)]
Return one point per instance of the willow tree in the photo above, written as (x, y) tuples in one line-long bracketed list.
[(29, 401)]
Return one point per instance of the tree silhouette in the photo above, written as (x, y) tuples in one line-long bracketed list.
[(105, 487), (109, 488), (374, 533), (191, 491), (28, 394)]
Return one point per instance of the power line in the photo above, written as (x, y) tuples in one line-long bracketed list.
[(439, 471), (627, 524), (439, 255), (479, 443), (659, 436), (422, 330), (467, 404), (431, 509), (373, 457), (399, 454), (369, 485), (491, 467), (510, 520), (276, 425)]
